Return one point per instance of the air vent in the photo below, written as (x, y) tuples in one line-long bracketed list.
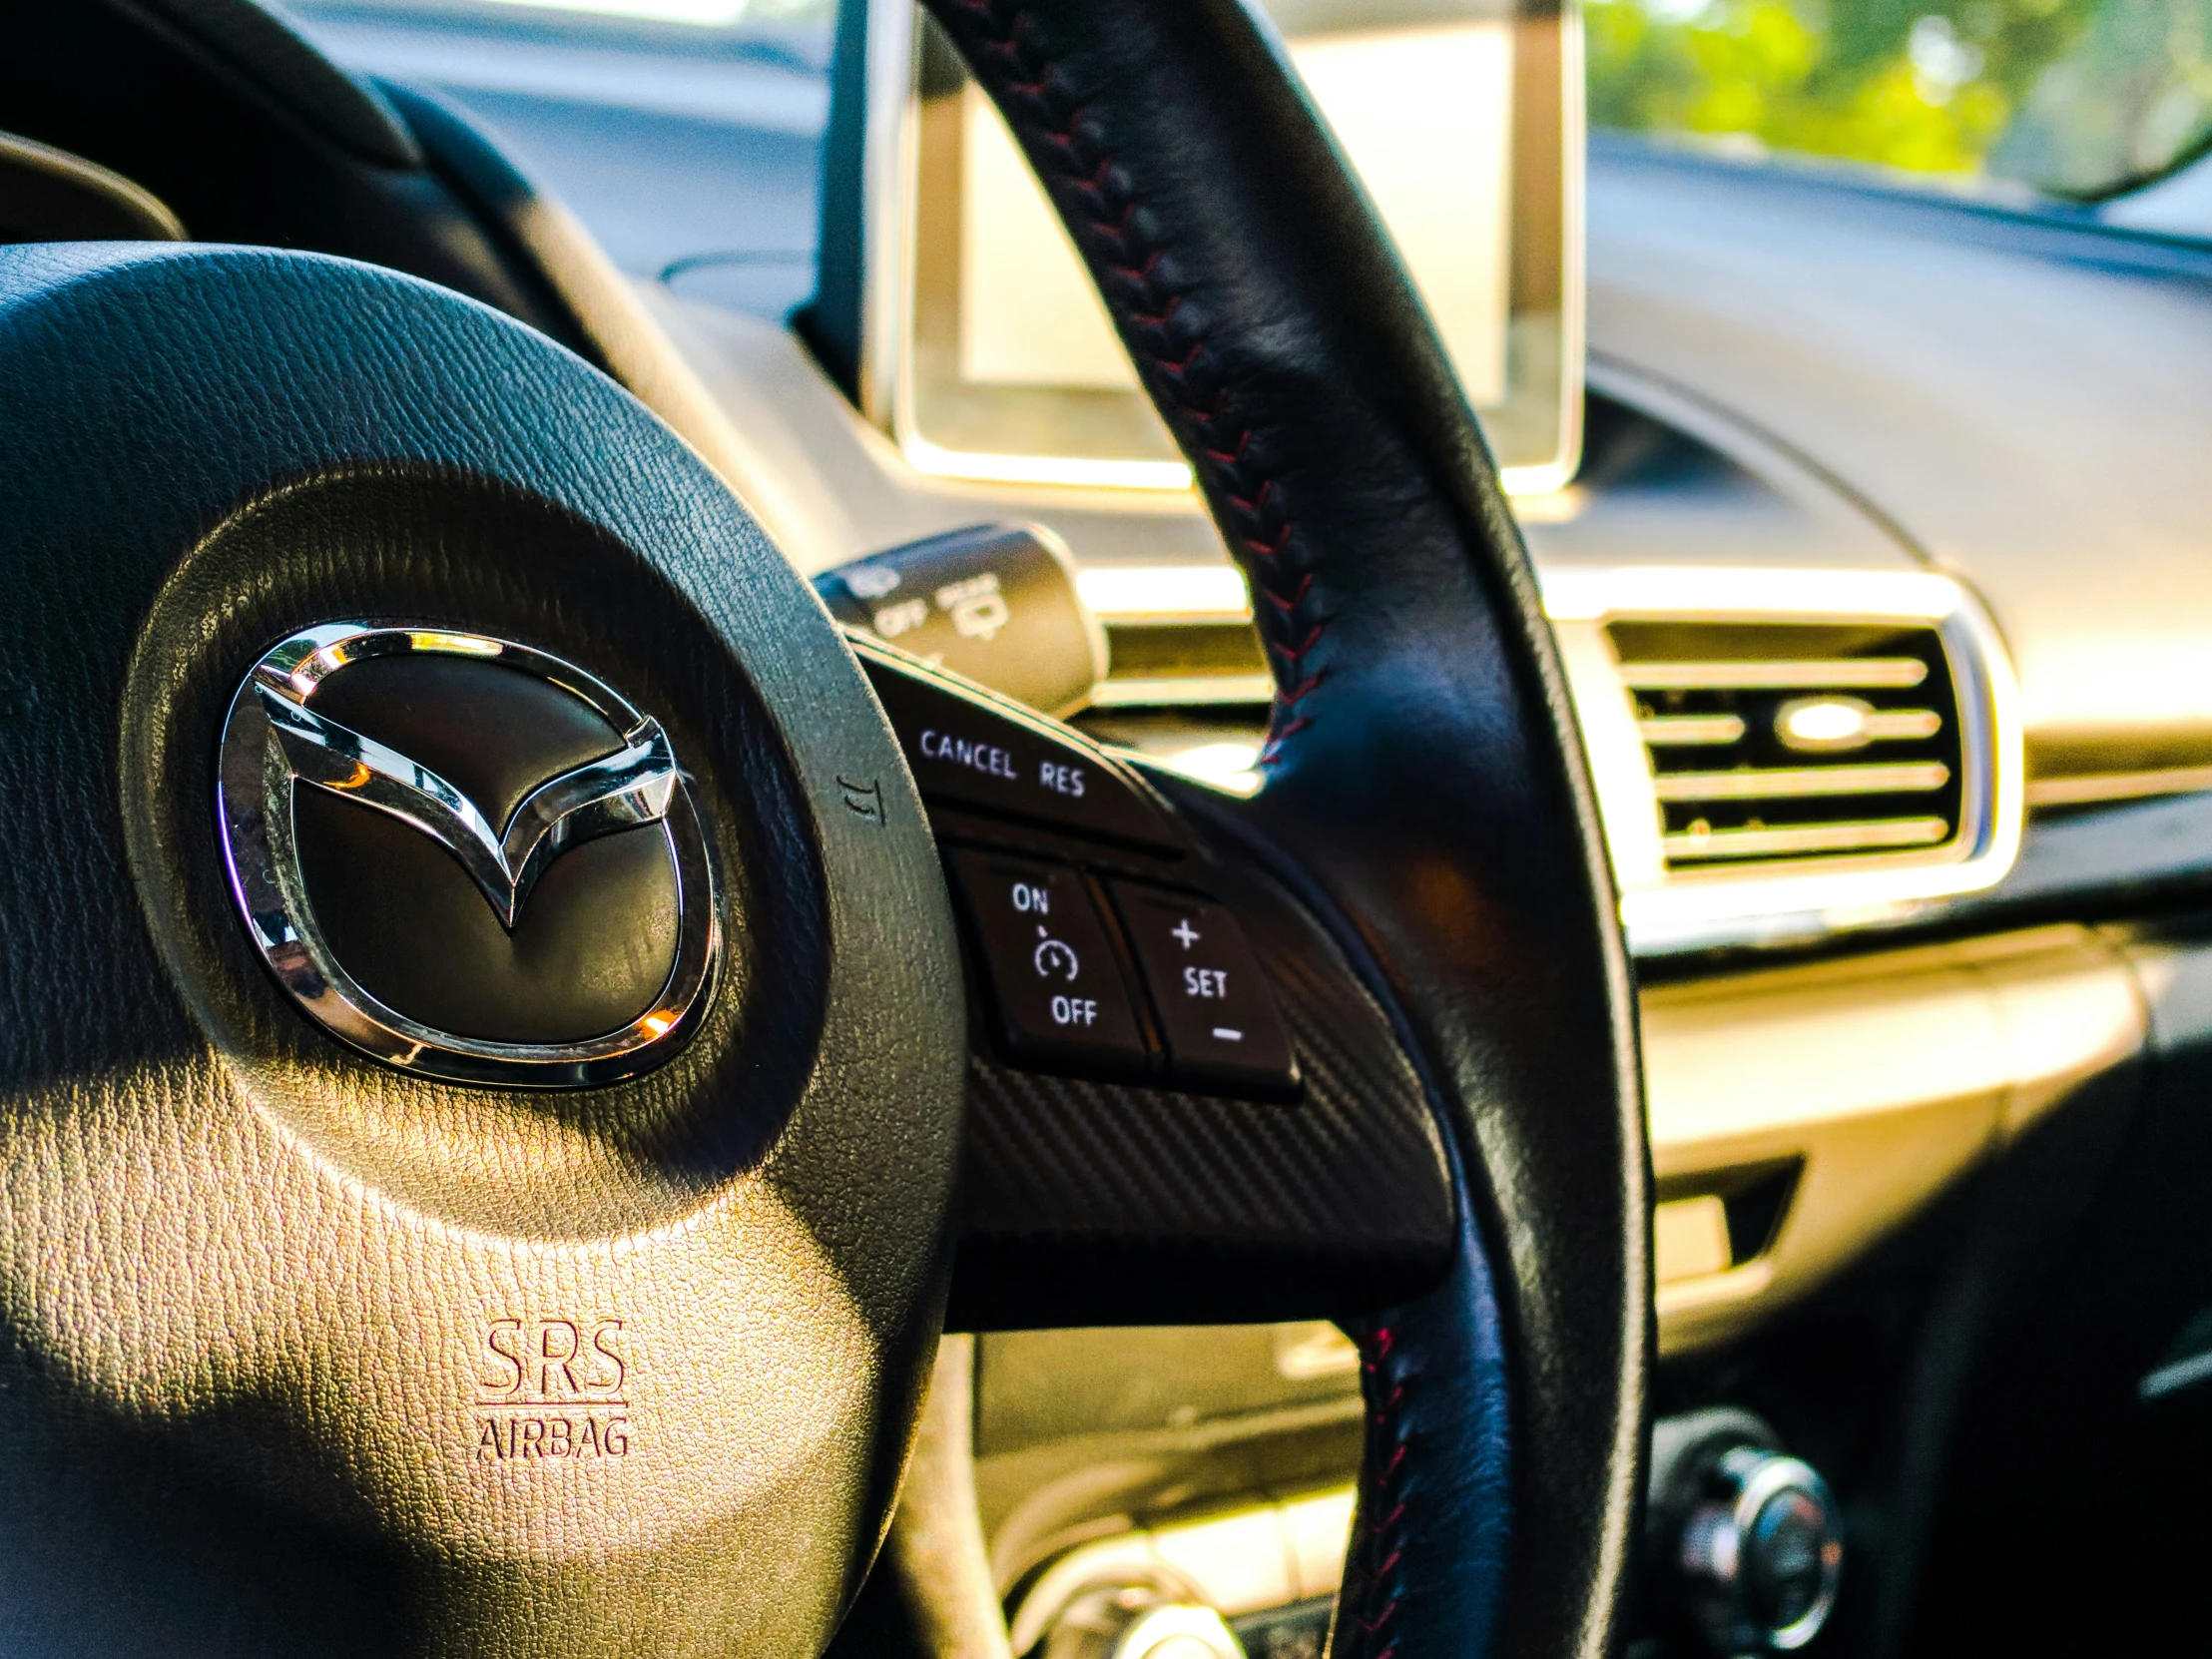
[(1774, 741)]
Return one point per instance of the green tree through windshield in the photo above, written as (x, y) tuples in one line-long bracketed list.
[(2071, 97)]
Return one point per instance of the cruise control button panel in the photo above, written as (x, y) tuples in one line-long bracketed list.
[(1056, 990), (1214, 1006)]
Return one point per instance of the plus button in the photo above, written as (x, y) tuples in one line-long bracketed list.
[(1185, 932)]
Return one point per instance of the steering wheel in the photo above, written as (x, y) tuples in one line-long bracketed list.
[(484, 1047)]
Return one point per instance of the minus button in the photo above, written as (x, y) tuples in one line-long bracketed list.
[(1227, 1035)]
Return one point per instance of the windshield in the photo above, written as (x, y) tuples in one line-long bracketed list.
[(2071, 98), (686, 133)]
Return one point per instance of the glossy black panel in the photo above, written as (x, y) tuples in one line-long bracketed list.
[(493, 734), (588, 953)]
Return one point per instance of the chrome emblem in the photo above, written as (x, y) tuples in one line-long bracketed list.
[(275, 742)]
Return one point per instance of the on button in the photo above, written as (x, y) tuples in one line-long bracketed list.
[(1055, 986), (1214, 1006)]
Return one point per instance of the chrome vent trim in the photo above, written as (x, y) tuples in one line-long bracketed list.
[(1737, 884), (1840, 836), (1753, 790)]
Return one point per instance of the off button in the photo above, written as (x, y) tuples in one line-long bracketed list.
[(1056, 990), (1214, 1006)]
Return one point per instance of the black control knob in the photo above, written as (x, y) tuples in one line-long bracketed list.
[(1752, 1535)]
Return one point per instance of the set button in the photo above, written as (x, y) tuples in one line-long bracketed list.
[(1058, 994), (1215, 1009)]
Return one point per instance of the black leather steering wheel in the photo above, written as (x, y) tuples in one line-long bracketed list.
[(253, 1279)]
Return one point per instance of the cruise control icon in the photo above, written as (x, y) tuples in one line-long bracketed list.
[(1056, 957), (1053, 958)]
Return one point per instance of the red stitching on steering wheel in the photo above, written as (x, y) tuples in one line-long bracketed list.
[(1371, 1584), (1002, 45)]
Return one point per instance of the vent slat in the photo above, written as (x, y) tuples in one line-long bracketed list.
[(1800, 783), (1841, 674), (1872, 835), (1679, 731), (1903, 724)]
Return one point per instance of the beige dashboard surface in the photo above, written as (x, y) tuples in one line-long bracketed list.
[(1883, 1078)]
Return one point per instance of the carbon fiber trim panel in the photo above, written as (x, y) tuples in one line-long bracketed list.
[(1093, 1203)]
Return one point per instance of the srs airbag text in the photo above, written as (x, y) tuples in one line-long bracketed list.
[(552, 1389)]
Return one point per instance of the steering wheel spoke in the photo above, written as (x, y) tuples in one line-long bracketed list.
[(1184, 1105)]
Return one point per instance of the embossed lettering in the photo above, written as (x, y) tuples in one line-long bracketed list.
[(556, 1344), (528, 1439), (552, 1387), (503, 1343), (599, 1340)]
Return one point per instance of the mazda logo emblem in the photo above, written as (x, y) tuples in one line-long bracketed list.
[(530, 904)]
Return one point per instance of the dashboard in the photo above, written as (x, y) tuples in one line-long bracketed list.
[(1885, 593)]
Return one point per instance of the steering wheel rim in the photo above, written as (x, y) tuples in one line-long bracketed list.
[(207, 416), (1281, 341)]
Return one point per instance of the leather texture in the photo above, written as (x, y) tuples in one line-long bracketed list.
[(268, 61), (306, 1355), (251, 135), (1424, 786)]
